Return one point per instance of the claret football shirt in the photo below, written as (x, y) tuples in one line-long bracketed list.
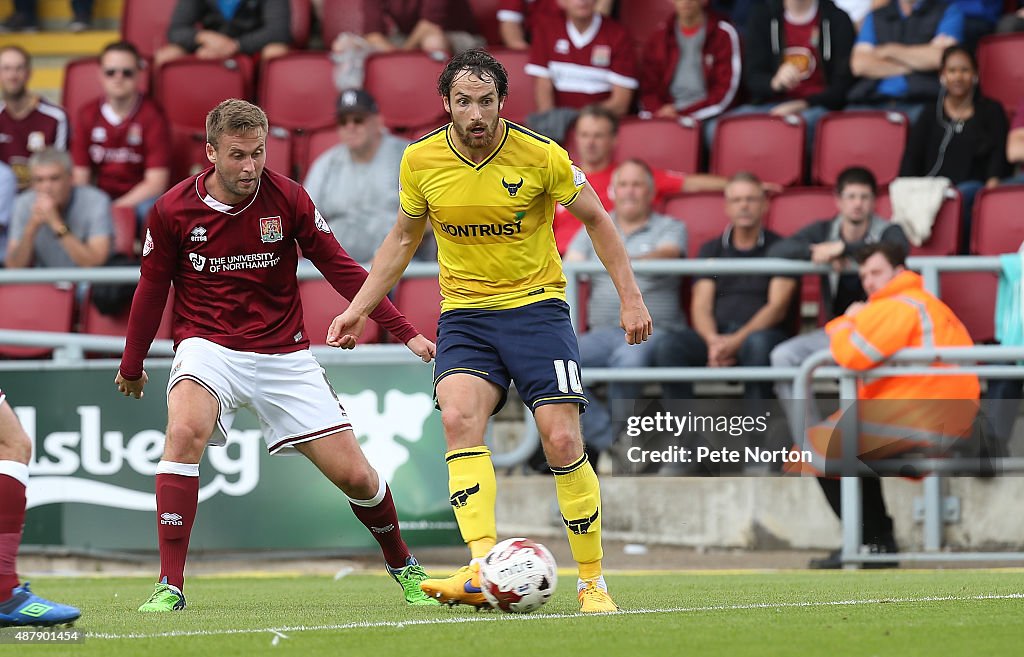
[(233, 269)]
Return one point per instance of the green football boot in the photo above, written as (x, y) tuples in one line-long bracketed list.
[(409, 578), (165, 598)]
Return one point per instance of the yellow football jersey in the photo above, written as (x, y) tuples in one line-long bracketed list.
[(492, 220)]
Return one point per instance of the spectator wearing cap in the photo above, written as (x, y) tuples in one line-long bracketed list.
[(355, 184)]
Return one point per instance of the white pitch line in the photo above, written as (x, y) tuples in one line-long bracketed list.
[(527, 617)]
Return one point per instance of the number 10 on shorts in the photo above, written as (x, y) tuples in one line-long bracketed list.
[(568, 378)]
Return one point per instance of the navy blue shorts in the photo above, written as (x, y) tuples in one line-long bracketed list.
[(532, 345)]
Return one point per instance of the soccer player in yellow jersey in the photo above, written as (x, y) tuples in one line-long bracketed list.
[(489, 188)]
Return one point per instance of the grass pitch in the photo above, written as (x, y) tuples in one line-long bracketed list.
[(957, 612)]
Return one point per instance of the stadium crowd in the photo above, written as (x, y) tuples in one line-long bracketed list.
[(685, 94)]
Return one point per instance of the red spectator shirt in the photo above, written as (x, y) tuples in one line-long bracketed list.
[(46, 125), (582, 67), (120, 150), (528, 12), (565, 225), (381, 15), (233, 269), (802, 43)]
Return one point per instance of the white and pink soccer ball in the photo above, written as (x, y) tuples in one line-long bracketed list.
[(518, 576)]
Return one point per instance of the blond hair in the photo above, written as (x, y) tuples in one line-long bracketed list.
[(234, 117)]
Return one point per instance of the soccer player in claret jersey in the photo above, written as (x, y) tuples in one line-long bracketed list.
[(18, 605), (227, 239), (488, 187)]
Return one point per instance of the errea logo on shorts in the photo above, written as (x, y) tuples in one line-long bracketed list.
[(170, 519)]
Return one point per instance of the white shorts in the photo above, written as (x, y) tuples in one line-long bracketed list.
[(289, 393)]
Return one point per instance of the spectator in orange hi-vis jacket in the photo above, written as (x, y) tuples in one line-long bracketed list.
[(898, 414)]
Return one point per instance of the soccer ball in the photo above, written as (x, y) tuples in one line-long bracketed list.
[(518, 576)]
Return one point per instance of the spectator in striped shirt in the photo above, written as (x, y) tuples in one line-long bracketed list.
[(28, 123)]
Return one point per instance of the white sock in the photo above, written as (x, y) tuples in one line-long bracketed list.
[(580, 584)]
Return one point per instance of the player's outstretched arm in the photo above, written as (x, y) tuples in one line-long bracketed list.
[(635, 319), (388, 265)]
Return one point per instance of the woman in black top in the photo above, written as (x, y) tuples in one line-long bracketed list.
[(963, 138)]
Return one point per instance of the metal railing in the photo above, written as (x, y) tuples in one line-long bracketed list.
[(896, 365), (70, 347)]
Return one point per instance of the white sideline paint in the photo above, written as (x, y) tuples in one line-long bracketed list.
[(505, 618)]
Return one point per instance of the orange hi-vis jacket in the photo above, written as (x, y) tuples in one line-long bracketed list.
[(897, 414), (902, 314)]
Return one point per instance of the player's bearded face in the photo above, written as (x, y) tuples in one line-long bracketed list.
[(474, 108), (239, 163)]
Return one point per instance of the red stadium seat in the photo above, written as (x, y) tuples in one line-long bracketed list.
[(407, 108), (297, 91), (340, 16), (302, 18), (188, 88), (792, 210), (796, 207), (642, 17), (188, 153), (770, 147), (318, 143), (583, 303), (704, 216), (96, 323), (520, 85), (972, 296), (874, 140), (186, 112), (321, 303), (144, 23), (81, 85), (292, 94), (945, 238), (125, 230), (279, 151), (35, 307), (485, 12), (995, 229), (1001, 69), (419, 299), (661, 143)]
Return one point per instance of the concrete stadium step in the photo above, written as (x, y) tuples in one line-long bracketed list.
[(57, 13)]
